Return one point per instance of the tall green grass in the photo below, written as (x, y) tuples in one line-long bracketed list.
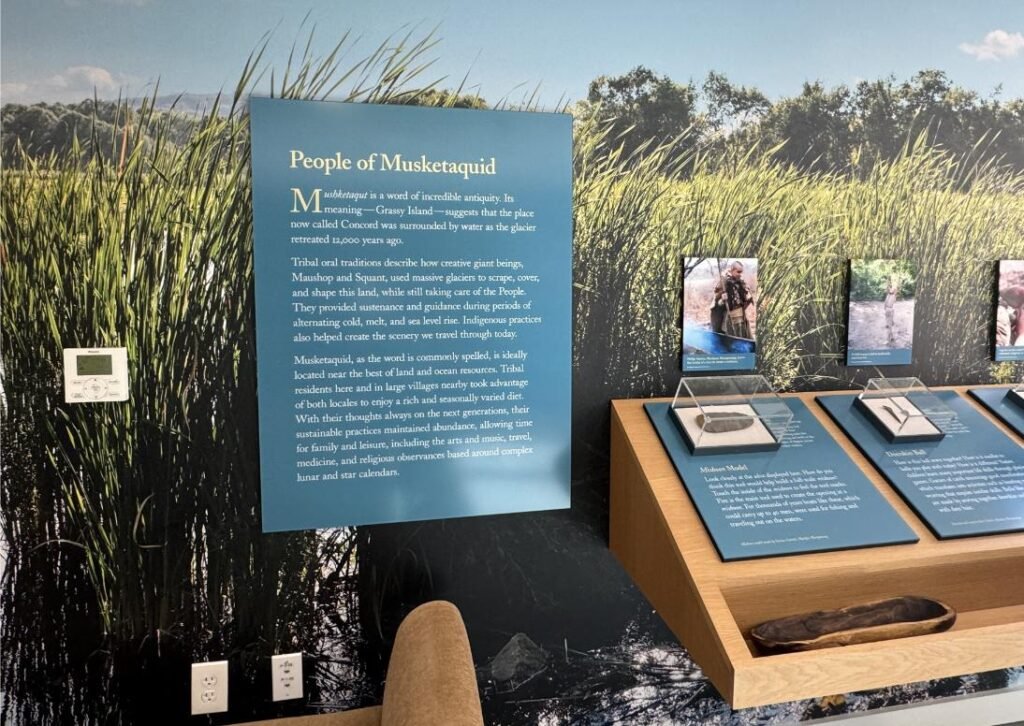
[(624, 256), (160, 493), (955, 216)]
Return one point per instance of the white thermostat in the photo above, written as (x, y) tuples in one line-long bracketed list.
[(95, 374)]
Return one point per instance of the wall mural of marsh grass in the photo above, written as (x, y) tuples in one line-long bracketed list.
[(156, 501), (132, 543), (954, 215)]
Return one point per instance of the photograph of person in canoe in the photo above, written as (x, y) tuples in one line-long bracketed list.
[(719, 313)]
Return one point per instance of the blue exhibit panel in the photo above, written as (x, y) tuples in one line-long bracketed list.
[(995, 400), (807, 496), (413, 277), (1009, 353), (970, 482)]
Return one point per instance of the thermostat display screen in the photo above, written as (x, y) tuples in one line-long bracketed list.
[(93, 375), (94, 365)]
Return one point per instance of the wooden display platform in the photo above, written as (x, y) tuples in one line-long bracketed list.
[(710, 605)]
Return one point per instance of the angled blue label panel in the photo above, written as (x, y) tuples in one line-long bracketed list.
[(807, 496), (971, 482), (413, 311), (995, 400)]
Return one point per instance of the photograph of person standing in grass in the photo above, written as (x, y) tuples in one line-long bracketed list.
[(881, 319)]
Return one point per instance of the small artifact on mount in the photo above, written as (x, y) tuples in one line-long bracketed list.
[(718, 422), (899, 416), (904, 410), (897, 617), (729, 414)]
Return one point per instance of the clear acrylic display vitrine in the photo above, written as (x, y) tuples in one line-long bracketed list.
[(905, 410), (729, 414)]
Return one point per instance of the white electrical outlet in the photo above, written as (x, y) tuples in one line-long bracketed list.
[(210, 687), (286, 676)]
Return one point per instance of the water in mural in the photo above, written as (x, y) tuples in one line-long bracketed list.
[(132, 538), (638, 681)]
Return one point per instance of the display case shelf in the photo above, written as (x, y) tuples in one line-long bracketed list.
[(711, 605)]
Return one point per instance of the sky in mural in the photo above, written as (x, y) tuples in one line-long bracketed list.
[(65, 50)]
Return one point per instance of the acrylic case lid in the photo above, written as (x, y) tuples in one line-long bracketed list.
[(719, 414), (906, 406)]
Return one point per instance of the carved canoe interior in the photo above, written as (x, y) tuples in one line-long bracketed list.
[(897, 617)]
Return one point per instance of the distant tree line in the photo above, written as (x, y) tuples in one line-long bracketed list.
[(839, 128), (44, 129)]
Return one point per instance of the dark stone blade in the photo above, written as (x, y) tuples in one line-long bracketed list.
[(720, 422)]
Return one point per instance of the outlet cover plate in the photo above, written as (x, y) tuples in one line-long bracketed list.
[(210, 687), (286, 676)]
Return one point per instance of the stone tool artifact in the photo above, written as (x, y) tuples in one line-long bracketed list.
[(720, 422), (897, 617)]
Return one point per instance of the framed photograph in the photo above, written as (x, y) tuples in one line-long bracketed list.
[(880, 323), (1009, 340), (719, 313)]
